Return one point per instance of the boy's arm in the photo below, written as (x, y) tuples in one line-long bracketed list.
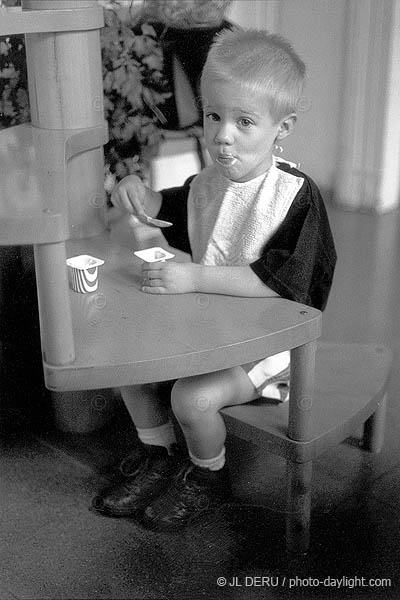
[(232, 281), (178, 278)]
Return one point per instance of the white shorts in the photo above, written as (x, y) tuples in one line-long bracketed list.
[(270, 376)]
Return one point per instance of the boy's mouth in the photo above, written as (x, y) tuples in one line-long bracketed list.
[(226, 160)]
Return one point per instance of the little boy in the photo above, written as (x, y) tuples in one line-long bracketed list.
[(254, 227)]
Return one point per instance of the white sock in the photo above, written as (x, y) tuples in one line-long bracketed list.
[(213, 464), (163, 435)]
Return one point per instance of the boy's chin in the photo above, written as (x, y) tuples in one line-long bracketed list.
[(230, 172)]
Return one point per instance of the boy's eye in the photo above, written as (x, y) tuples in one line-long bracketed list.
[(244, 122)]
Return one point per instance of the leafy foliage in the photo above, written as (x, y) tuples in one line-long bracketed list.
[(14, 101), (134, 90)]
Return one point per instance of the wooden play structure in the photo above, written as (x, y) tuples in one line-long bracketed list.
[(51, 196)]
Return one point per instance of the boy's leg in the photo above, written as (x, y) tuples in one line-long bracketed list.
[(148, 470), (149, 412), (204, 482), (196, 402), (145, 405)]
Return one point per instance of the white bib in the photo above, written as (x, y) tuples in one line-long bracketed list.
[(229, 223)]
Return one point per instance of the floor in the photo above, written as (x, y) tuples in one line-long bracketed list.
[(52, 546)]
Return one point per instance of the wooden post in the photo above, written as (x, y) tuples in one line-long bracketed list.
[(302, 368), (54, 308), (374, 428), (66, 92), (298, 514)]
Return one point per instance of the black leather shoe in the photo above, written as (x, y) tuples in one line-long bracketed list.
[(144, 477), (191, 492)]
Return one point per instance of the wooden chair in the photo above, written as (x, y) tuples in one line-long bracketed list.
[(350, 390)]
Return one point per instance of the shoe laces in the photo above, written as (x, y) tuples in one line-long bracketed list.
[(186, 489), (144, 475)]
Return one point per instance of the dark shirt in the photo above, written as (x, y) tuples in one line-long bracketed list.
[(297, 262)]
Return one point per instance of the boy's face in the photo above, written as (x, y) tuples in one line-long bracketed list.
[(238, 129)]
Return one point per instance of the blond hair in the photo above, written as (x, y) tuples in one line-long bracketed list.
[(261, 63)]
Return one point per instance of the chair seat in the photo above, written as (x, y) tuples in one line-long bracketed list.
[(349, 385)]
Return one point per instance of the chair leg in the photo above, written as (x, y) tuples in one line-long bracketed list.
[(298, 507), (374, 428)]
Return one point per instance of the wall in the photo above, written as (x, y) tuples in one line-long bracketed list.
[(316, 28)]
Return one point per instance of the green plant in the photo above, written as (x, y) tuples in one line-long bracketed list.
[(134, 90), (14, 101)]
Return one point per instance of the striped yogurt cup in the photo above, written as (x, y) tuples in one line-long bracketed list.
[(84, 273)]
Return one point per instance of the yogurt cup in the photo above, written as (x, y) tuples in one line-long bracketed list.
[(84, 273), (154, 254)]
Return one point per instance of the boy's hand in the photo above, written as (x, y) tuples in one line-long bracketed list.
[(132, 196), (169, 277)]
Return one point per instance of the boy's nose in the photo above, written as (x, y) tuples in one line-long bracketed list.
[(223, 135)]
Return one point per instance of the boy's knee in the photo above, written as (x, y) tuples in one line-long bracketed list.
[(190, 401)]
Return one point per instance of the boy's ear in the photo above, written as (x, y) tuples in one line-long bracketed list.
[(286, 126)]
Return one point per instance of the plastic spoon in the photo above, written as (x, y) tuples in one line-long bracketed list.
[(151, 221)]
